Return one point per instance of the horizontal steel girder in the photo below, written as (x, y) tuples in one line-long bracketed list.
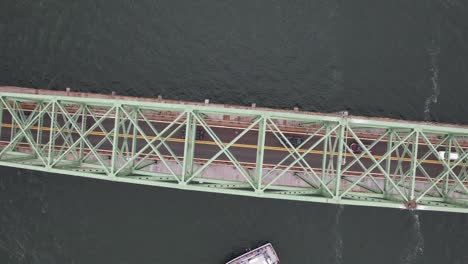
[(250, 152)]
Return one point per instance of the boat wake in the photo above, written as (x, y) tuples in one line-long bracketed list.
[(434, 54), (338, 236), (416, 246)]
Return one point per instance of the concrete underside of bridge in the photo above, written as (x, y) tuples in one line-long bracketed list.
[(249, 151)]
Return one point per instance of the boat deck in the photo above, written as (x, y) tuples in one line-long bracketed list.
[(263, 255)]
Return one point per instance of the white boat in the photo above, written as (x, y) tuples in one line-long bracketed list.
[(262, 255)]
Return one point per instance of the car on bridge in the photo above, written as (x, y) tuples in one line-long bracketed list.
[(294, 140), (450, 156)]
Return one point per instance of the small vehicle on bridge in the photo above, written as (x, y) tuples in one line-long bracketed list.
[(294, 140), (200, 135), (450, 156), (356, 148)]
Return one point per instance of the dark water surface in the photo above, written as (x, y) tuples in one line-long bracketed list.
[(404, 59)]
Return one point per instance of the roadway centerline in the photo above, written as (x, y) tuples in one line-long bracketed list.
[(238, 145)]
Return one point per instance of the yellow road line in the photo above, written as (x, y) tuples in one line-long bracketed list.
[(205, 142)]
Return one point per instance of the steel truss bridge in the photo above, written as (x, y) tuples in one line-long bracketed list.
[(237, 150)]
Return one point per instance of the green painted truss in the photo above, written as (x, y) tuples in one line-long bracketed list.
[(238, 150)]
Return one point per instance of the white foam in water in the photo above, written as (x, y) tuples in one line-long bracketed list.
[(338, 237), (434, 54), (451, 3), (416, 246)]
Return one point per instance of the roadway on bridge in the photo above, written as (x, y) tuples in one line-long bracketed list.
[(245, 149)]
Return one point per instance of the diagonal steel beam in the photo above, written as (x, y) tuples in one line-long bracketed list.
[(445, 164), (24, 119), (157, 133), (357, 158), (443, 174), (24, 131), (83, 136), (377, 163), (224, 149), (420, 161), (106, 135), (463, 170), (300, 157), (293, 152), (282, 138), (163, 139), (150, 143)]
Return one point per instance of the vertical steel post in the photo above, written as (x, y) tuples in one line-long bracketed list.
[(84, 118), (13, 128), (332, 148), (343, 126), (260, 153), (134, 136), (39, 124), (189, 146), (115, 141), (1, 117), (389, 161), (414, 161), (448, 150), (53, 120), (325, 154)]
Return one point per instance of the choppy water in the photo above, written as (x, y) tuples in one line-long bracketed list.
[(404, 59)]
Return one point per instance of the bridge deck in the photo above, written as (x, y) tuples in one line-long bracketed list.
[(236, 150)]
